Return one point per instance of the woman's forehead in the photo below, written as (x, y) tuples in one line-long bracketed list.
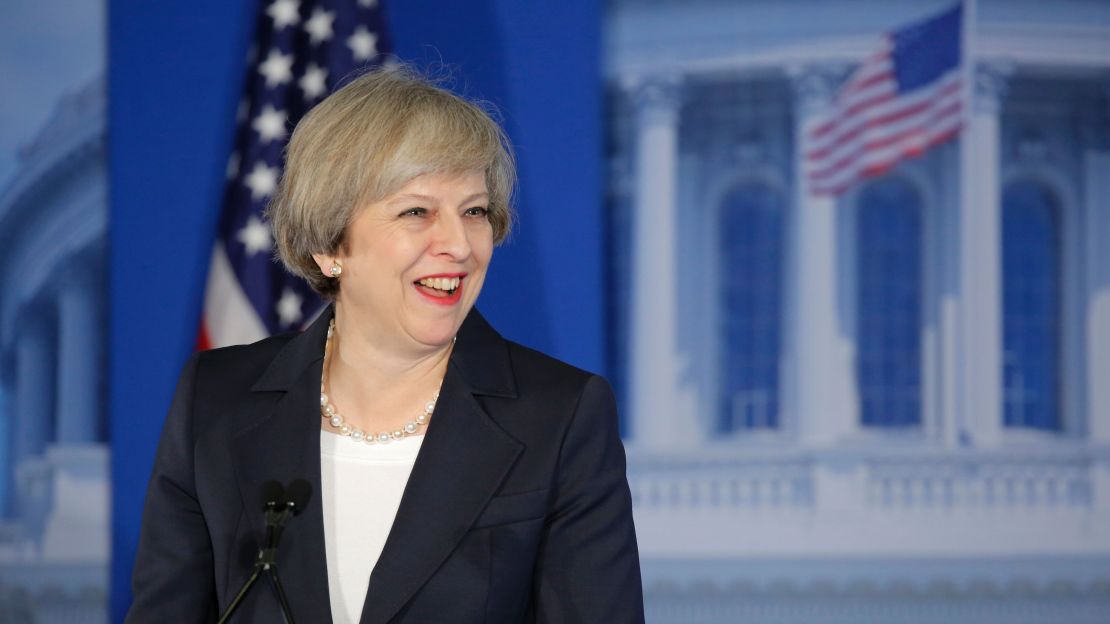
[(443, 185)]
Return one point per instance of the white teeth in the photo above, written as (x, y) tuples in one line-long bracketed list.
[(441, 283)]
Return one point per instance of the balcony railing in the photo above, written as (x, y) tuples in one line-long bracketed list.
[(879, 480)]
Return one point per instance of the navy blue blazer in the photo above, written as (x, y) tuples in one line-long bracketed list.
[(517, 508)]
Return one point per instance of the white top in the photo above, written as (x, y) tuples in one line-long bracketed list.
[(361, 488)]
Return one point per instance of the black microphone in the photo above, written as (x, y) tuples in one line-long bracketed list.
[(273, 494), (279, 504), (297, 495)]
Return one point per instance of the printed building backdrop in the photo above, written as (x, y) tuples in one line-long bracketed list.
[(54, 460), (887, 406)]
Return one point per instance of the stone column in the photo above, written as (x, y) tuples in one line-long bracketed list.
[(824, 398), (948, 324), (33, 405), (657, 418), (1096, 219), (80, 343), (980, 267), (32, 418)]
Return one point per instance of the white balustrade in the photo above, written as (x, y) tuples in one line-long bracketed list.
[(955, 481), (974, 483)]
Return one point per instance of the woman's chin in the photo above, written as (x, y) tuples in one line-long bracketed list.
[(438, 335), (440, 327)]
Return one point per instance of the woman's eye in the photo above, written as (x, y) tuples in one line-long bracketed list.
[(415, 212), (477, 211)]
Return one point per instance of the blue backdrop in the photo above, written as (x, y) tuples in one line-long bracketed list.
[(175, 73)]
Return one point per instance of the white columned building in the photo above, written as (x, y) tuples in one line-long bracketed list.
[(654, 359), (949, 515), (980, 263), (55, 536)]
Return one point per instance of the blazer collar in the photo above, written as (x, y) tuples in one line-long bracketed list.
[(462, 462), (302, 350), (482, 358)]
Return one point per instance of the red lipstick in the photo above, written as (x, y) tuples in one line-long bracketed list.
[(441, 297)]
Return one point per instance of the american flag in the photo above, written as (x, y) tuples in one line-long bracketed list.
[(302, 50), (903, 100)]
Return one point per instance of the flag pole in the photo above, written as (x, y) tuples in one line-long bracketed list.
[(968, 58)]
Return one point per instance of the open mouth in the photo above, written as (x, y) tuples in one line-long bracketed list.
[(442, 289)]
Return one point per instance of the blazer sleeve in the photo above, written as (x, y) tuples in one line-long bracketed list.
[(588, 568), (173, 574)]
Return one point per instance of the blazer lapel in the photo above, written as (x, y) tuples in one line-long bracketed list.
[(283, 444), (462, 462)]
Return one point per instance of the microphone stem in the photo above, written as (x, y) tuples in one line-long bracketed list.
[(239, 597), (286, 613), (267, 560)]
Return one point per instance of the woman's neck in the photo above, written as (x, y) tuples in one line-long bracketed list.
[(375, 385)]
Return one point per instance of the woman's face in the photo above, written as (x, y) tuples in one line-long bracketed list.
[(414, 262)]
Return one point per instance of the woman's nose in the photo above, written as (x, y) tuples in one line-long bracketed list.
[(450, 237)]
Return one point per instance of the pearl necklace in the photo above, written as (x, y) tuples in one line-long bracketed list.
[(337, 422)]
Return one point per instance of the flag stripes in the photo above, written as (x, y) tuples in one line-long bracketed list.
[(876, 121)]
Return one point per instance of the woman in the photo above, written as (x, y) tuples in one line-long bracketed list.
[(460, 477)]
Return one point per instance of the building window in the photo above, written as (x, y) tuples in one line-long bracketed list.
[(751, 247), (1031, 297), (889, 269)]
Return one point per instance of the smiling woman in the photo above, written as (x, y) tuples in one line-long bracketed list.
[(458, 472)]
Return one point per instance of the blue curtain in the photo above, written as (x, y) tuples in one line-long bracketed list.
[(889, 268), (751, 279), (1031, 298)]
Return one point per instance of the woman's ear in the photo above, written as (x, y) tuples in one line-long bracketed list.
[(331, 265), (325, 262)]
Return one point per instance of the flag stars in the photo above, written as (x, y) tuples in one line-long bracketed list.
[(314, 81), (363, 44), (262, 181), (319, 26), (284, 13), (255, 236), (270, 124), (277, 68), (289, 308)]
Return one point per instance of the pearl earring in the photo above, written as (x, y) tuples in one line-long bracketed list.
[(335, 270)]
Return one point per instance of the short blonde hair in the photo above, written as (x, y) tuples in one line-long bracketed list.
[(366, 141)]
